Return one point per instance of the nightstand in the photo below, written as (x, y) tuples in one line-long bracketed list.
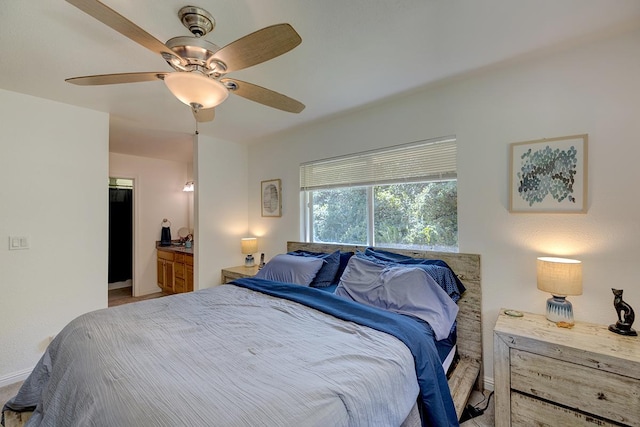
[(550, 376), (232, 273)]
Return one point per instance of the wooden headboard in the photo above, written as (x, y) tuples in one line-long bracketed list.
[(467, 267)]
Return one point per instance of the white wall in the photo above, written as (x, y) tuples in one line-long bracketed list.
[(55, 192), (158, 194), (220, 171), (590, 89), (53, 169), (190, 198)]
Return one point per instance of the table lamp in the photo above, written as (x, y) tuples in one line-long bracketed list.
[(560, 277), (249, 246)]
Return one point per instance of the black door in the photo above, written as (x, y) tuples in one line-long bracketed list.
[(120, 234)]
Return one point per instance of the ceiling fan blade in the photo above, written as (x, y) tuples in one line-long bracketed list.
[(263, 96), (204, 114), (111, 79), (113, 19), (258, 47)]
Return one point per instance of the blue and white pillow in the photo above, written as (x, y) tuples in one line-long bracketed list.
[(403, 290), (437, 269), (327, 274), (291, 269)]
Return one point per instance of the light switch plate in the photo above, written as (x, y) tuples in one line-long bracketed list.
[(18, 242)]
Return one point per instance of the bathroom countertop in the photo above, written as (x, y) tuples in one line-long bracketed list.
[(175, 247)]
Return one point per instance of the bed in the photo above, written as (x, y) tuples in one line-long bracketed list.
[(256, 352), (468, 374)]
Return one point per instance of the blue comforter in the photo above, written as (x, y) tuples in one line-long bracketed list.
[(437, 407)]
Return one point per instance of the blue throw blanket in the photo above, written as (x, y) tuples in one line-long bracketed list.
[(437, 407)]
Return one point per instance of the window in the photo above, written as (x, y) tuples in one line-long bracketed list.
[(403, 196)]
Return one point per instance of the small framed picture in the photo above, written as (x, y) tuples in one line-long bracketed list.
[(549, 175), (271, 198)]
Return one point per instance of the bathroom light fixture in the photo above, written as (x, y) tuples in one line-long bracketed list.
[(249, 246), (188, 187), (560, 277), (196, 90)]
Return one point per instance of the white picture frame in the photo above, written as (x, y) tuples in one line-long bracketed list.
[(549, 175), (271, 198)]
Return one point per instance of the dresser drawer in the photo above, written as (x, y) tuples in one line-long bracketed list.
[(179, 257), (165, 255), (527, 411), (230, 275), (611, 396)]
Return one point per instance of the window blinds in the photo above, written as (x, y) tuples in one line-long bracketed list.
[(427, 160)]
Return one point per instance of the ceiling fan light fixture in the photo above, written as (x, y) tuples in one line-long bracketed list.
[(194, 88)]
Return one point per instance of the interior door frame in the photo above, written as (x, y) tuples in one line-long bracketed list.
[(134, 230)]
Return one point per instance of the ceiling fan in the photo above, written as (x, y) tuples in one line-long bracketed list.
[(199, 65)]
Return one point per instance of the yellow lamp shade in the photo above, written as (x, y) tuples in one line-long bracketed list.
[(559, 276), (249, 245)]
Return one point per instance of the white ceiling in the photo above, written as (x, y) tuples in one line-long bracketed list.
[(353, 53)]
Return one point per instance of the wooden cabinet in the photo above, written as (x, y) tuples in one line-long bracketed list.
[(188, 265), (232, 273), (166, 271), (179, 283), (550, 376), (175, 271)]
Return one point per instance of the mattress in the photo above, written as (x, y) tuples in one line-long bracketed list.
[(226, 356), (448, 360)]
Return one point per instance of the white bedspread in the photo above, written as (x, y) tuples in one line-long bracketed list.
[(225, 356)]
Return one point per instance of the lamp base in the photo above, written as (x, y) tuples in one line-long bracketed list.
[(559, 310), (249, 261)]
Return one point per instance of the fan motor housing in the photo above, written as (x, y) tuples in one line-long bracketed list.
[(195, 50), (197, 20)]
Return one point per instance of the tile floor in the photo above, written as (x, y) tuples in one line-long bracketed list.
[(123, 296)]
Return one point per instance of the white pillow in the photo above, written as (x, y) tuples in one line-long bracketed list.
[(291, 269), (405, 290)]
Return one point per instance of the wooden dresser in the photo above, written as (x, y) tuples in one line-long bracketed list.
[(550, 376), (232, 273), (175, 269)]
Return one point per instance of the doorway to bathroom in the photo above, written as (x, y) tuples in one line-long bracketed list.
[(121, 193)]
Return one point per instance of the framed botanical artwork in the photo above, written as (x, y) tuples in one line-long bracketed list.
[(549, 175), (271, 198)]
